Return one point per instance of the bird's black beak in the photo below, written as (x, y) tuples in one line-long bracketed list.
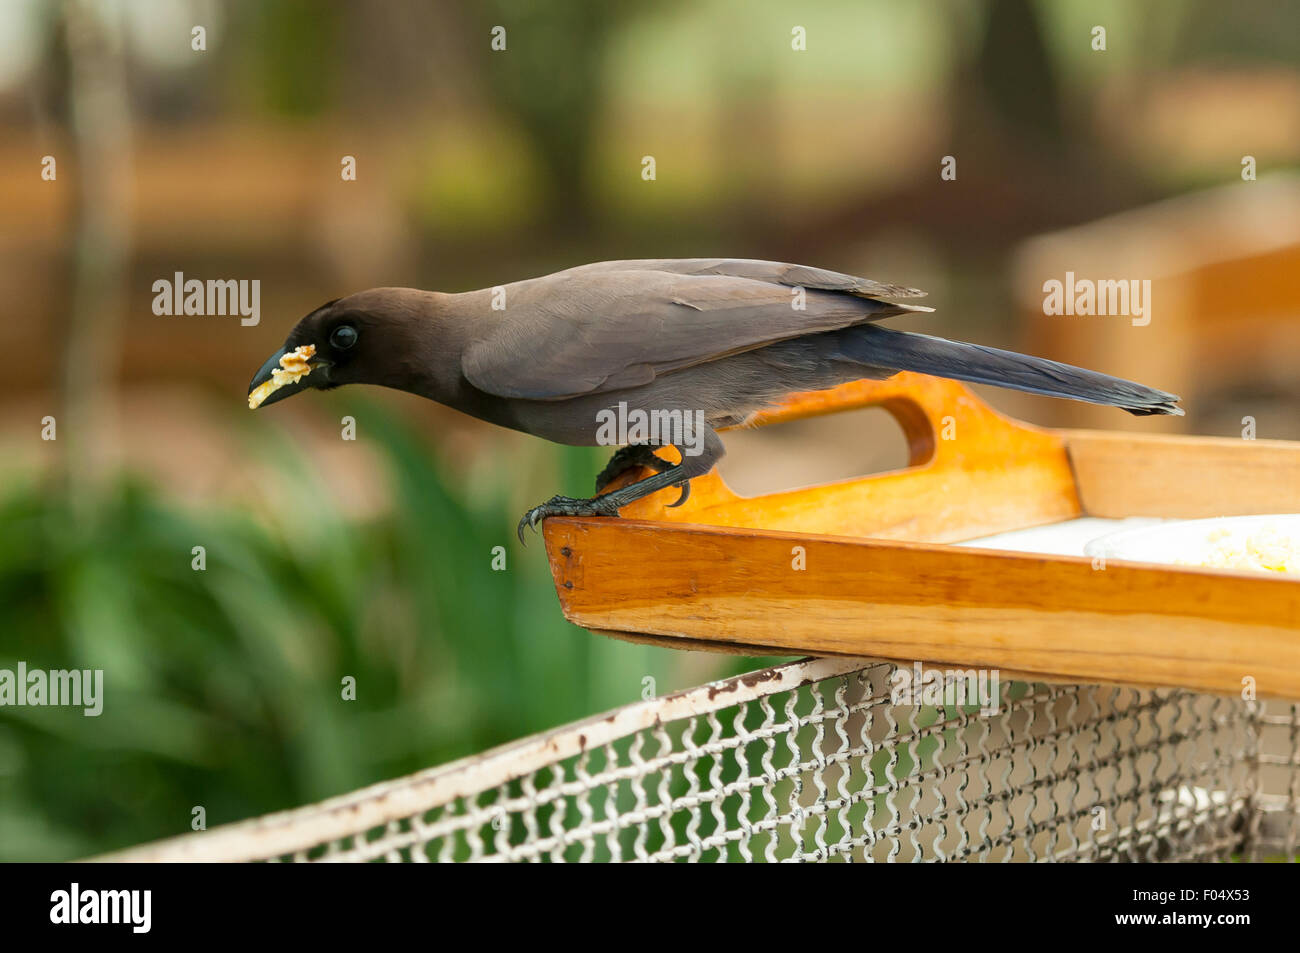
[(265, 390)]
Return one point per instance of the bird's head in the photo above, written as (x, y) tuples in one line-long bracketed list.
[(367, 338)]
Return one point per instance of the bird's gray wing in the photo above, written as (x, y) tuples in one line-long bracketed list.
[(773, 272), (599, 329)]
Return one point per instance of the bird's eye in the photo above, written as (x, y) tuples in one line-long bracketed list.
[(343, 337)]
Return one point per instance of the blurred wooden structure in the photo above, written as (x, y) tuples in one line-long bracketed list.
[(281, 215), (1225, 297)]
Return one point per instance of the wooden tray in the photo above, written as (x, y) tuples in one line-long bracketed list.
[(883, 580)]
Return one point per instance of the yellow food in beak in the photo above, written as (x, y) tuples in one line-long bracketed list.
[(293, 368)]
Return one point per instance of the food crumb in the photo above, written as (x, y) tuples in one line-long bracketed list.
[(1266, 550), (293, 368)]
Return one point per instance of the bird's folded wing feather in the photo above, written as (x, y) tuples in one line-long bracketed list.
[(606, 327), (772, 272)]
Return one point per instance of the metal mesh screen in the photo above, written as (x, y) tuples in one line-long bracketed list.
[(812, 762)]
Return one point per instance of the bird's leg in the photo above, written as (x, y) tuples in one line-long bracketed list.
[(608, 504), (628, 458)]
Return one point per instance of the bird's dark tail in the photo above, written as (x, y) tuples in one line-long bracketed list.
[(907, 351)]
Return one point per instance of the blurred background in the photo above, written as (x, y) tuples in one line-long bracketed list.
[(372, 558)]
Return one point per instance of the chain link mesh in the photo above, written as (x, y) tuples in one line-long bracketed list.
[(812, 762)]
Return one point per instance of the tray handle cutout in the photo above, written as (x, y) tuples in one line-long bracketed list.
[(971, 472)]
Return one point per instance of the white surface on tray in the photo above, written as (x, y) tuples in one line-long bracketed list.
[(1061, 539)]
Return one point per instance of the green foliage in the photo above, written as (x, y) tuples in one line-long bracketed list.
[(293, 48), (223, 687)]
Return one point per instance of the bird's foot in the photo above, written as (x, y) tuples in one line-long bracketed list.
[(628, 458), (567, 506)]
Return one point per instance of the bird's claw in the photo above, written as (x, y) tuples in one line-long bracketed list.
[(629, 458), (565, 506)]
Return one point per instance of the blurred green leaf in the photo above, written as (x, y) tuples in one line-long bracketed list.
[(223, 687)]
